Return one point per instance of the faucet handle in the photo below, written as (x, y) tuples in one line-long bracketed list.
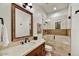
[(28, 40), (35, 38), (22, 43), (25, 41)]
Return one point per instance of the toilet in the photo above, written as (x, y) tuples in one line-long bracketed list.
[(48, 50)]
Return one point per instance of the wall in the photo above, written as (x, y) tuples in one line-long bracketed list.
[(75, 30), (62, 32), (39, 16), (58, 16), (5, 13)]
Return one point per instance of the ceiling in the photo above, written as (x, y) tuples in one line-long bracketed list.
[(49, 7)]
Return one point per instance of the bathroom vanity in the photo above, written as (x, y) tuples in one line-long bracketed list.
[(39, 51), (22, 28), (33, 48)]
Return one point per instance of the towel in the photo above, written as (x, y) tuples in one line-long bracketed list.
[(4, 36), (0, 32)]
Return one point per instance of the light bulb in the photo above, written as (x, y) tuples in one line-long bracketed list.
[(30, 4), (54, 8)]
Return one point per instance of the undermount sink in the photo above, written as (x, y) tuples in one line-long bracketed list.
[(29, 45), (33, 42)]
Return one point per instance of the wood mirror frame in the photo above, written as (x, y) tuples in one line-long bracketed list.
[(13, 6)]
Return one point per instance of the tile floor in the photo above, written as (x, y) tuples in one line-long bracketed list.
[(60, 49)]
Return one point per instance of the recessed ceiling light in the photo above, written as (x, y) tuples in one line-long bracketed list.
[(54, 8)]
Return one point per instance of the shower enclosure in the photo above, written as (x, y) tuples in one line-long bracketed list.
[(57, 34)]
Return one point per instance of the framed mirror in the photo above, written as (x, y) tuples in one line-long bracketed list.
[(57, 25), (22, 23)]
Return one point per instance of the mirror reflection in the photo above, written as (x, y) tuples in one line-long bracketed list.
[(22, 22)]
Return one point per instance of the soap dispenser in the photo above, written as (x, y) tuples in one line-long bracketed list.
[(35, 38)]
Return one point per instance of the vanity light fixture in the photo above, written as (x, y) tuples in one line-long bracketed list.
[(30, 7), (27, 4)]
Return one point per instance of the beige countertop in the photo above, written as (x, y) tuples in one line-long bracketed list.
[(21, 50)]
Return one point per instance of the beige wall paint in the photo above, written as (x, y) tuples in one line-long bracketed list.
[(75, 30), (38, 14), (5, 13)]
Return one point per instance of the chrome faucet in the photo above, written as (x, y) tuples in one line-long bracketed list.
[(27, 40)]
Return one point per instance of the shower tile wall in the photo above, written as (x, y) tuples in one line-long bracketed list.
[(61, 44)]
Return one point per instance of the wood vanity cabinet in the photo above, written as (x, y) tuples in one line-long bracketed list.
[(39, 51)]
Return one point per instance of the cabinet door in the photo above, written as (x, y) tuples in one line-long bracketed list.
[(39, 51), (33, 53), (43, 49)]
